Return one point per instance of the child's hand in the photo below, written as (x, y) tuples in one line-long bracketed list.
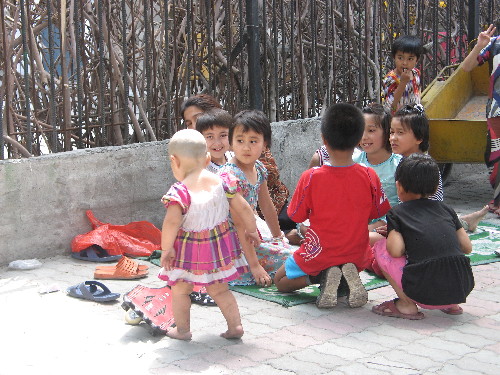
[(253, 238), (167, 259), (484, 37), (406, 76), (381, 230), (260, 275)]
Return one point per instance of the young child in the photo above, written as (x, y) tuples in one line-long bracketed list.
[(401, 85), (196, 106), (199, 247), (214, 125), (410, 134), (249, 136), (424, 261), (338, 199), (377, 154), (487, 48)]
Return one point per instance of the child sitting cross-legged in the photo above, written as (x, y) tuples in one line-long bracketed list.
[(339, 199), (424, 259)]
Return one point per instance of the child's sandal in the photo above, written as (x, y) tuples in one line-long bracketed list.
[(202, 299)]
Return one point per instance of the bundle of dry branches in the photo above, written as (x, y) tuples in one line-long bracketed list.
[(86, 73)]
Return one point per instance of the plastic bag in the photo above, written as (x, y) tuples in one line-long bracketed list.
[(136, 239), (25, 264)]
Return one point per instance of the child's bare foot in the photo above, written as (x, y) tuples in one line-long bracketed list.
[(175, 334), (474, 218), (234, 333)]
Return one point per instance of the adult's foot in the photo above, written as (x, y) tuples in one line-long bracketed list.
[(175, 334), (234, 333), (474, 218)]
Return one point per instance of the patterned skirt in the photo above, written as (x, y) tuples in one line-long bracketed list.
[(206, 257), (271, 256)]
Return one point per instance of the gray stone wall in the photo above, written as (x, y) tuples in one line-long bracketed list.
[(43, 200)]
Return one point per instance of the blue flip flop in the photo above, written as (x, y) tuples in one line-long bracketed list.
[(93, 291), (95, 253)]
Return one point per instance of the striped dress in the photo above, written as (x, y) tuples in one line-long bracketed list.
[(207, 248)]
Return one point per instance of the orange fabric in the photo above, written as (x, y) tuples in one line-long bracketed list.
[(138, 238)]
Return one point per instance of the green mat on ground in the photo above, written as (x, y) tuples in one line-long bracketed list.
[(485, 241)]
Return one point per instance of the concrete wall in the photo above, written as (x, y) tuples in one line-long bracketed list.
[(43, 200)]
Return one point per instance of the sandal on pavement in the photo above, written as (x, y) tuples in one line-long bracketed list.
[(125, 269), (95, 253), (202, 299), (388, 308), (142, 267), (93, 291), (453, 310), (200, 296)]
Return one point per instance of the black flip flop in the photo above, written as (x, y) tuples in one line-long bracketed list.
[(95, 253)]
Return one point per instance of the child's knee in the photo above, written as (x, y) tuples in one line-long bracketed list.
[(217, 289), (280, 273), (181, 288)]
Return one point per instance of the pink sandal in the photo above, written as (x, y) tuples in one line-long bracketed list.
[(388, 308), (453, 310)]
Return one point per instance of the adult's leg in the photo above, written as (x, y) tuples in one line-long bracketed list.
[(492, 155)]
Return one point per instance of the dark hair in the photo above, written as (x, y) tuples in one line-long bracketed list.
[(342, 126), (252, 119), (418, 174), (214, 117), (203, 101), (408, 44), (383, 117), (413, 117)]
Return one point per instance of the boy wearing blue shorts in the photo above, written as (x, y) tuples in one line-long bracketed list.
[(339, 199)]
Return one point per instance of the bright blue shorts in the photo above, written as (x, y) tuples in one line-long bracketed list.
[(292, 269)]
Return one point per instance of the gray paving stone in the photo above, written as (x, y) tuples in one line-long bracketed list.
[(55, 329), (299, 367)]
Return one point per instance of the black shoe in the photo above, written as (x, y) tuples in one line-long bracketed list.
[(202, 299), (328, 288)]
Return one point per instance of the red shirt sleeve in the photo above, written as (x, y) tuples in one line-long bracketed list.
[(299, 207), (380, 204)]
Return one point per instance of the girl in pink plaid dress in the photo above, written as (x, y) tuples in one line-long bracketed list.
[(199, 245)]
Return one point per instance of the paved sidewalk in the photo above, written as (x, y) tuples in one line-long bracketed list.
[(57, 334)]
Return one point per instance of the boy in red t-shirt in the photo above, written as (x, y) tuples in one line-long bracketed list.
[(339, 199)]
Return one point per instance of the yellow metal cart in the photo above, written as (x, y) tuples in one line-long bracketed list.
[(456, 107)]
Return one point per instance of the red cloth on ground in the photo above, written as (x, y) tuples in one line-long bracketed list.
[(339, 202), (138, 238)]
